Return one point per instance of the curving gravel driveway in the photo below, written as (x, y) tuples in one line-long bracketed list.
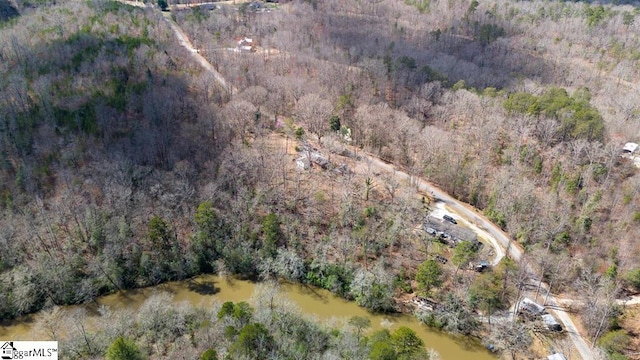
[(498, 238)]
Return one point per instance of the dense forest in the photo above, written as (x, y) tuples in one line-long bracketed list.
[(123, 164)]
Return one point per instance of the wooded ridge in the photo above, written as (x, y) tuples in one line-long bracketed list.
[(123, 165)]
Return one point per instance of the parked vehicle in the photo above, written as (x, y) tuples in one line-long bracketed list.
[(481, 266), (449, 219), (441, 259)]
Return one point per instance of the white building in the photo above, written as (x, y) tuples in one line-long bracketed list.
[(630, 147)]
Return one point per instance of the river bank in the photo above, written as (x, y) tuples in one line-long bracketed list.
[(207, 290)]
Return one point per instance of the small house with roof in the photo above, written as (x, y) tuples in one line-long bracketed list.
[(246, 44), (630, 151), (530, 309)]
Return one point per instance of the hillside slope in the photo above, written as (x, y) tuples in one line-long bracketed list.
[(122, 164)]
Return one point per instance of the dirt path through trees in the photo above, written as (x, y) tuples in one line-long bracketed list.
[(184, 41), (473, 216), (464, 210)]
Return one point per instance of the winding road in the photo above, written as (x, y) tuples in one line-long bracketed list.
[(498, 239)]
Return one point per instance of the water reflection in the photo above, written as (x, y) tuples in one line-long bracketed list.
[(207, 289)]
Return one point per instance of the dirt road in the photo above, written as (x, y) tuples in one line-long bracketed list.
[(499, 239), (184, 41), (464, 210), (442, 208)]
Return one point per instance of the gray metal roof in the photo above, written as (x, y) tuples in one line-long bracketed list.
[(531, 306)]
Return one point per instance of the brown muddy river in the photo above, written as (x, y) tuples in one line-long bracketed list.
[(313, 302)]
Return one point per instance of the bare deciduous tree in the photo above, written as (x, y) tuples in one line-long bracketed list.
[(512, 337), (241, 114), (314, 111)]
